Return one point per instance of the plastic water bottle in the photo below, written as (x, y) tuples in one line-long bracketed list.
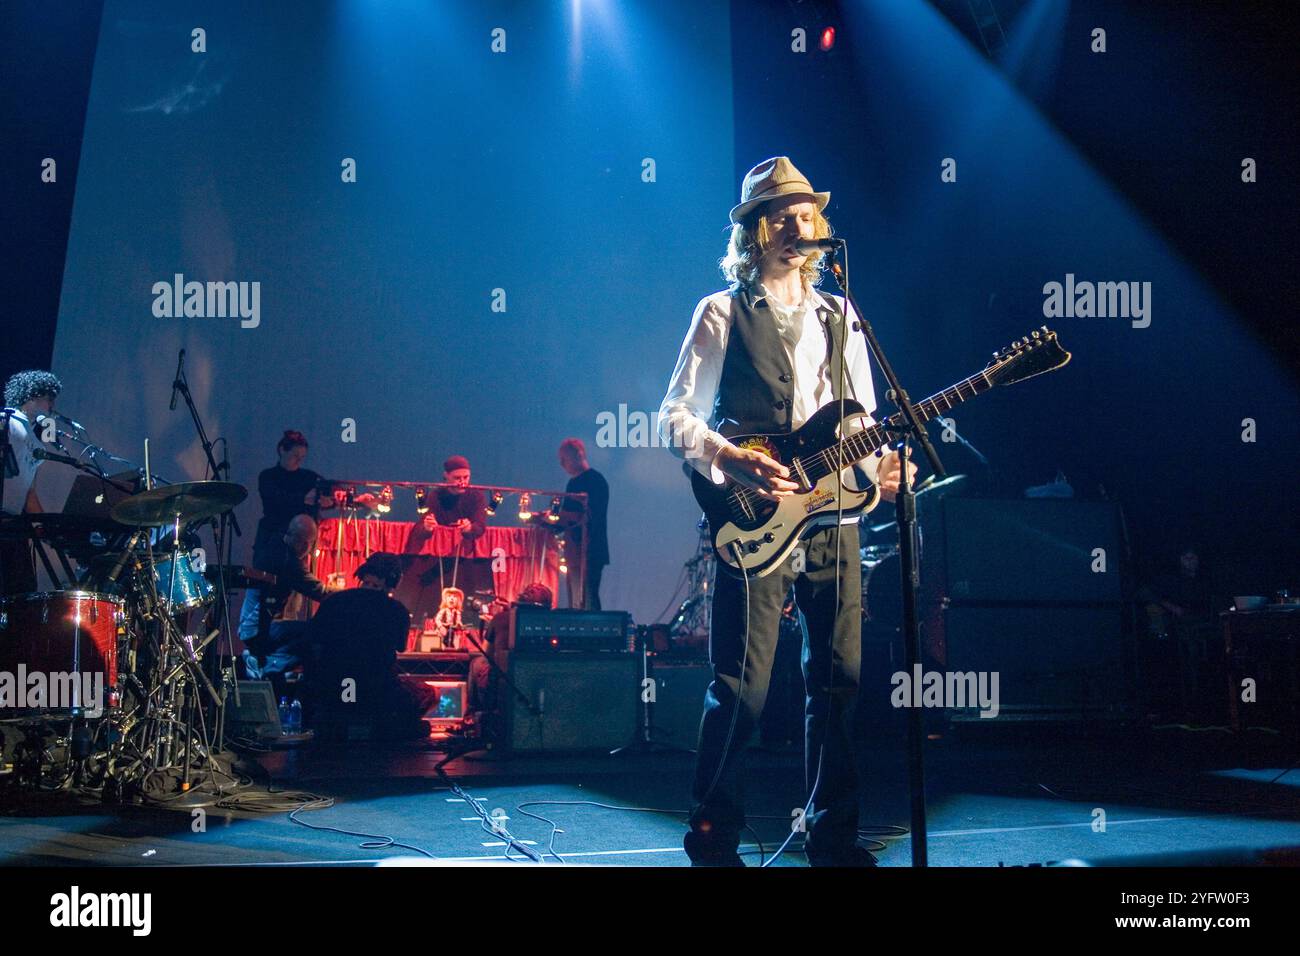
[(286, 716), (295, 716)]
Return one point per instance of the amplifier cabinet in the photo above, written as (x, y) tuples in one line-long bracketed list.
[(679, 700), (1058, 663), (1031, 551), (541, 629), (583, 701)]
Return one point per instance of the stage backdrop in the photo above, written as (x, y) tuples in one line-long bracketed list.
[(540, 197)]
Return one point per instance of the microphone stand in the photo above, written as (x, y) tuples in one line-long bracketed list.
[(912, 428), (227, 522)]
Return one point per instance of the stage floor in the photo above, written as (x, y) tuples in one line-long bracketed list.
[(1025, 796)]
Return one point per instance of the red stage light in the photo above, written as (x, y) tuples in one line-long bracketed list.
[(828, 38)]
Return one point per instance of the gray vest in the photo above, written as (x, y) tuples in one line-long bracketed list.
[(756, 390)]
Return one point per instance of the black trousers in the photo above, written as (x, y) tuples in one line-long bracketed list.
[(832, 656), (591, 588)]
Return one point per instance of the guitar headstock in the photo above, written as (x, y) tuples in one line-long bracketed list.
[(1024, 358)]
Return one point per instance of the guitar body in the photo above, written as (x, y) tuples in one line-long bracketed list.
[(753, 535), (766, 532)]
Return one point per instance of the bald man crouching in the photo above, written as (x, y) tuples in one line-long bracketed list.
[(285, 605)]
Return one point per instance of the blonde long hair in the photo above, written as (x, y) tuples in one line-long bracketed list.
[(751, 238)]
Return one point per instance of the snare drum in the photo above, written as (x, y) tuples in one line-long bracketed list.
[(62, 632), (190, 589)]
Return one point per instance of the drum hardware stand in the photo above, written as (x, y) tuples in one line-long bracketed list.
[(911, 429), (694, 614), (177, 666), (227, 522)]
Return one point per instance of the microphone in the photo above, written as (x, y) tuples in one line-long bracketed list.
[(68, 421), (42, 455), (811, 247), (121, 561), (42, 422), (176, 382)]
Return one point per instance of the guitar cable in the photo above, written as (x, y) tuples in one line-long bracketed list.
[(839, 525), (740, 682)]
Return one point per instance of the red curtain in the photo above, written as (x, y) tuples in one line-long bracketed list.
[(511, 558)]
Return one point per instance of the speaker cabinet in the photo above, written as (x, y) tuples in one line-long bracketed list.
[(679, 701), (1060, 663), (1031, 551), (586, 701)]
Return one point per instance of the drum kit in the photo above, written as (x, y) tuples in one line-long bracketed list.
[(138, 618)]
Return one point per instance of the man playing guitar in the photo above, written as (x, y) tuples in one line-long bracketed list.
[(764, 355)]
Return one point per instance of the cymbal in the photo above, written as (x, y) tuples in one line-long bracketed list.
[(931, 483), (924, 488), (190, 500)]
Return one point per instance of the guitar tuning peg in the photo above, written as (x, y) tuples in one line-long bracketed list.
[(1035, 335)]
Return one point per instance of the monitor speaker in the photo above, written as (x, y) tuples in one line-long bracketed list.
[(580, 701)]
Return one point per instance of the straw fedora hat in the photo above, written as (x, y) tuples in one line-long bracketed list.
[(772, 179)]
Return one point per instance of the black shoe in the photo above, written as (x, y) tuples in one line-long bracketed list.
[(704, 851), (849, 856)]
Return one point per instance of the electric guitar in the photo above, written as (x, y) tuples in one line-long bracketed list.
[(753, 535)]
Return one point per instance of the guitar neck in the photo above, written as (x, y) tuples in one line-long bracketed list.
[(868, 441)]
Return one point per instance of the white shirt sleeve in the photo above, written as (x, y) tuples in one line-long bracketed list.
[(686, 409)]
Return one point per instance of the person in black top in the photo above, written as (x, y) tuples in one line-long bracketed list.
[(287, 489), (1186, 594), (583, 479), (454, 505), (356, 636)]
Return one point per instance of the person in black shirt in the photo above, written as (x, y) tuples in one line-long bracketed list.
[(583, 479), (454, 505), (287, 489), (356, 635)]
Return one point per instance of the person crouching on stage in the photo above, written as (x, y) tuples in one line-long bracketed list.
[(355, 638), (283, 608), (484, 693)]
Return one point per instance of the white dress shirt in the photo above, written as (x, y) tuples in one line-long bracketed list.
[(23, 441), (686, 409)]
